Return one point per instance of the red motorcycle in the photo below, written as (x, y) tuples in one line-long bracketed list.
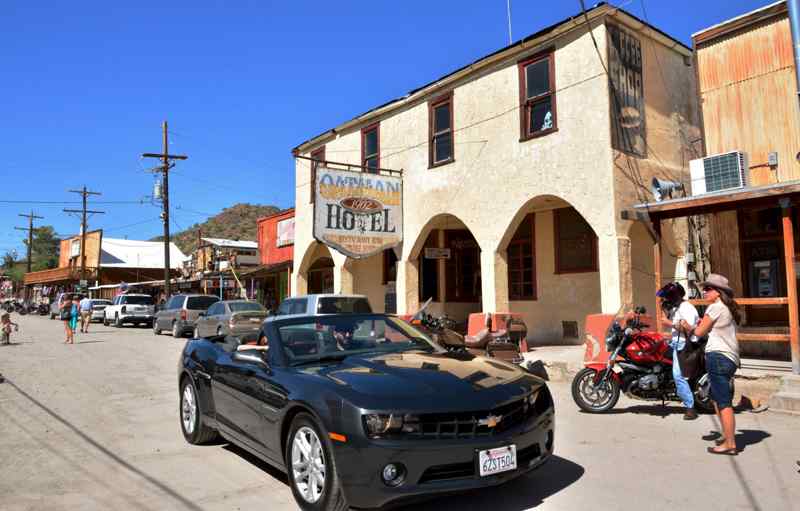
[(639, 364)]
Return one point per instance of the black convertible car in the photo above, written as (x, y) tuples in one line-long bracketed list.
[(363, 410)]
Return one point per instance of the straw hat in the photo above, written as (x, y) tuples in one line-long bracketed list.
[(718, 282)]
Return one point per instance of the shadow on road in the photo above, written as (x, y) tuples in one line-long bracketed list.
[(183, 501), (527, 492), (657, 410), (87, 342), (257, 462), (747, 437)]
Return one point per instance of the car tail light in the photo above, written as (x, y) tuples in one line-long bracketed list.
[(183, 315)]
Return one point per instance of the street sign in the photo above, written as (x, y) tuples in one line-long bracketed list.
[(437, 253)]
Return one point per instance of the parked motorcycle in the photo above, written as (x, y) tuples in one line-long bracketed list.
[(639, 364), (502, 344), (43, 309)]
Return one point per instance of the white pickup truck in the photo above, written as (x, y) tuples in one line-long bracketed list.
[(129, 308)]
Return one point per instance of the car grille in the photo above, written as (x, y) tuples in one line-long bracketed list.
[(467, 469), (440, 426)]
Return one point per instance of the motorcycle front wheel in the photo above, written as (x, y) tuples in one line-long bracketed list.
[(592, 396)]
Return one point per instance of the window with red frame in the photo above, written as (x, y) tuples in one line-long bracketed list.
[(318, 156), (521, 255), (440, 114), (537, 90), (576, 242), (370, 148)]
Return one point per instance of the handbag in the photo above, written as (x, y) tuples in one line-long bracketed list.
[(65, 314)]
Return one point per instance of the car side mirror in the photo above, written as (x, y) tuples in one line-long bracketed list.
[(250, 356), (201, 315)]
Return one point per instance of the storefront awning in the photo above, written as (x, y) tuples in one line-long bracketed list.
[(266, 269), (726, 200), (53, 276)]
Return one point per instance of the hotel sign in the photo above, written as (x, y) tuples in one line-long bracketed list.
[(356, 213)]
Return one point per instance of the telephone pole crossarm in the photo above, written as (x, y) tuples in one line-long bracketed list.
[(84, 193), (166, 164)]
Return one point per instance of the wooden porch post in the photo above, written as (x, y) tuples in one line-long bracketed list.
[(657, 269), (791, 283)]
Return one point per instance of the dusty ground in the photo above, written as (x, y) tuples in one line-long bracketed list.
[(95, 426)]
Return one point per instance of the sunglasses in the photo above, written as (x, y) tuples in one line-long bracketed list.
[(706, 289)]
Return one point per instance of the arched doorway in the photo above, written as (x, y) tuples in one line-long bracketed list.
[(447, 258), (315, 274), (320, 276), (547, 270)]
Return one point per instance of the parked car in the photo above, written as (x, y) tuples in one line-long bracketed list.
[(98, 308), (232, 317), (132, 308), (180, 313), (363, 410), (324, 304)]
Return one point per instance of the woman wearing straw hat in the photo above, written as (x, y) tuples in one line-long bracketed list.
[(722, 355)]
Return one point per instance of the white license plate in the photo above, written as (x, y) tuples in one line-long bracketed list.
[(255, 320), (495, 461)]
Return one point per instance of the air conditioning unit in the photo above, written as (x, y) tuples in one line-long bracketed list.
[(726, 171)]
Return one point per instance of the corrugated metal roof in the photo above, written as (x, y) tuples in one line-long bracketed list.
[(220, 242), (122, 253)]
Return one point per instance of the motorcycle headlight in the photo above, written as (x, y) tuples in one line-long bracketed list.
[(378, 425)]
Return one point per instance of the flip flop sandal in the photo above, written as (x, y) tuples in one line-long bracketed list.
[(726, 452)]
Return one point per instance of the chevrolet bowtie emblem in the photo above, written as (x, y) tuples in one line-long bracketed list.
[(490, 421)]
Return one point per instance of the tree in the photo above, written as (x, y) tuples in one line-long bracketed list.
[(44, 249), (9, 259)]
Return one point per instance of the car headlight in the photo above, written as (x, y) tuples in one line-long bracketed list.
[(378, 425)]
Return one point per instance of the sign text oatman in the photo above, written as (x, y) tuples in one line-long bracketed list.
[(358, 214)]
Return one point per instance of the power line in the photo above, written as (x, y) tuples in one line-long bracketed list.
[(166, 165), (84, 193), (30, 218)]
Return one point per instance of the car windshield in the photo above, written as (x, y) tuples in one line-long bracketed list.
[(200, 303), (337, 304), (245, 306), (336, 337), (138, 300)]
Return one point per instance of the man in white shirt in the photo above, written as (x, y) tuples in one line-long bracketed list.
[(677, 309)]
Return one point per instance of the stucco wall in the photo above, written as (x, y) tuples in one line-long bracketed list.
[(367, 277), (567, 297), (496, 178)]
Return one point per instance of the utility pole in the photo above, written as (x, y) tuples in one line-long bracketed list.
[(30, 234), (84, 193), (166, 164)]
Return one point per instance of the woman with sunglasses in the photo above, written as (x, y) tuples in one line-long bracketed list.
[(722, 355)]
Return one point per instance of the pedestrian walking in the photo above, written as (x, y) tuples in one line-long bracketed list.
[(722, 355), (6, 328), (681, 317), (86, 313), (65, 314), (75, 314)]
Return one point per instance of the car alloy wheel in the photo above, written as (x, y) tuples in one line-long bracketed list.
[(117, 321), (196, 333), (188, 409), (219, 330), (175, 331), (156, 330), (308, 464)]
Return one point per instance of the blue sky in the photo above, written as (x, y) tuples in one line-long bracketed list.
[(85, 86)]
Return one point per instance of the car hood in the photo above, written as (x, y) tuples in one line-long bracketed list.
[(425, 380)]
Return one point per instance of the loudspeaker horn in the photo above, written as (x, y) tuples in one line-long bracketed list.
[(663, 188)]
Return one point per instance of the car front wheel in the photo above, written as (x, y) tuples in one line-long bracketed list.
[(117, 321), (194, 431), (156, 330), (312, 471), (176, 332)]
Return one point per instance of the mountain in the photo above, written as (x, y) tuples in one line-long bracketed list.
[(237, 222)]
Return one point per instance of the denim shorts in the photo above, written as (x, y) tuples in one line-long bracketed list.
[(720, 375)]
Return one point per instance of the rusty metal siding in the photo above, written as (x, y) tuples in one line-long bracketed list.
[(747, 90)]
